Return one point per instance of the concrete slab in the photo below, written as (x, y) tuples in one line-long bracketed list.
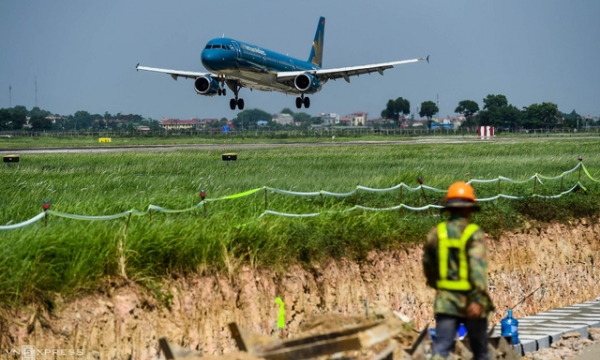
[(569, 322), (527, 345), (544, 336), (519, 349), (580, 328)]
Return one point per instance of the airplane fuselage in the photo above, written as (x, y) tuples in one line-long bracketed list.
[(254, 66)]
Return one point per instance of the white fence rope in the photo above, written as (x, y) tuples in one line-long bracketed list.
[(156, 208), (24, 223)]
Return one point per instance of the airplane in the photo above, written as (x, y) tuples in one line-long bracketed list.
[(238, 64)]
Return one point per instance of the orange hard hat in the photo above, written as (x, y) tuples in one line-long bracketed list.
[(460, 194)]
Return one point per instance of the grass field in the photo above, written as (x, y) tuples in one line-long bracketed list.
[(50, 140), (69, 256)]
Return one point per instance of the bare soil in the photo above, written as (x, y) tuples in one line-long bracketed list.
[(127, 321)]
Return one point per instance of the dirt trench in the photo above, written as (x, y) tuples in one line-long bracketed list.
[(127, 323)]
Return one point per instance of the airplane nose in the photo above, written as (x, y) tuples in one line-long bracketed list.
[(208, 58)]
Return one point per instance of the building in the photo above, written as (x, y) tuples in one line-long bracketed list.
[(179, 124), (346, 120), (329, 119), (283, 119), (359, 119), (56, 118)]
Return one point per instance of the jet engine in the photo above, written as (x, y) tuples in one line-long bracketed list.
[(205, 85), (307, 84)]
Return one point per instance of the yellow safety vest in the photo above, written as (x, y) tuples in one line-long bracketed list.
[(444, 244)]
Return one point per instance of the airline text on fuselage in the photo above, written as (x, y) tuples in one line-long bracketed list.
[(254, 50)]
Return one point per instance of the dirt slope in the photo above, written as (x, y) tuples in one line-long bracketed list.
[(128, 322)]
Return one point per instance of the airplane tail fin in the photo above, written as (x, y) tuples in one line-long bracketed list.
[(316, 52)]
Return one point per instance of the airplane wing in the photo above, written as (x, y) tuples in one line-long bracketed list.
[(175, 73), (346, 72)]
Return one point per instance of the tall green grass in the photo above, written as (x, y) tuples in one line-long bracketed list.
[(70, 256)]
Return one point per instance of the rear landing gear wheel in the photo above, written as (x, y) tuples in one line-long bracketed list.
[(306, 102), (236, 102), (298, 102)]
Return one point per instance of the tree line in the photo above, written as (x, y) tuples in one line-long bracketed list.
[(36, 119), (496, 112)]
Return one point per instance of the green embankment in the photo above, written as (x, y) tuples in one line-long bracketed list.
[(69, 256)]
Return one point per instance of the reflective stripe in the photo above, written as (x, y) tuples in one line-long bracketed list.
[(444, 244)]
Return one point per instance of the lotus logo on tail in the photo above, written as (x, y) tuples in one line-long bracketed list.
[(316, 53)]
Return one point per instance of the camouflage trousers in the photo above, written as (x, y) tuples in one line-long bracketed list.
[(445, 335)]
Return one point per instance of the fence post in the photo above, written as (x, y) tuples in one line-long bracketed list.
[(356, 196), (322, 199), (401, 200), (46, 207), (122, 248), (499, 180), (266, 199)]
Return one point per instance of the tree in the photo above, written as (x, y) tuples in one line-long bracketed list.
[(428, 109), (287, 111), (498, 113), (82, 119), (395, 108), (303, 117), (544, 115), (36, 111), (492, 101), (512, 117), (5, 119), (467, 107), (39, 123), (18, 118), (251, 116)]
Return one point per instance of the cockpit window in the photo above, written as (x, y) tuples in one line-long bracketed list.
[(216, 46), (208, 46)]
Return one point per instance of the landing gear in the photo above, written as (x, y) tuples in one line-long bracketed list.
[(302, 101), (235, 102), (222, 92)]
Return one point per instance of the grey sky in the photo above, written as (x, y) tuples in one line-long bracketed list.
[(84, 53)]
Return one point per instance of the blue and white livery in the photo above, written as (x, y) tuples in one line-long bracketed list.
[(238, 64)]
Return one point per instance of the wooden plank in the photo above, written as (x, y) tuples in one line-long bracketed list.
[(164, 346), (387, 353)]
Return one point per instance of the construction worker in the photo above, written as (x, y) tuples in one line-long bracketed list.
[(455, 264)]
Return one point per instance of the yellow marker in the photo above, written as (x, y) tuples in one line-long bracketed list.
[(281, 317), (104, 140)]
